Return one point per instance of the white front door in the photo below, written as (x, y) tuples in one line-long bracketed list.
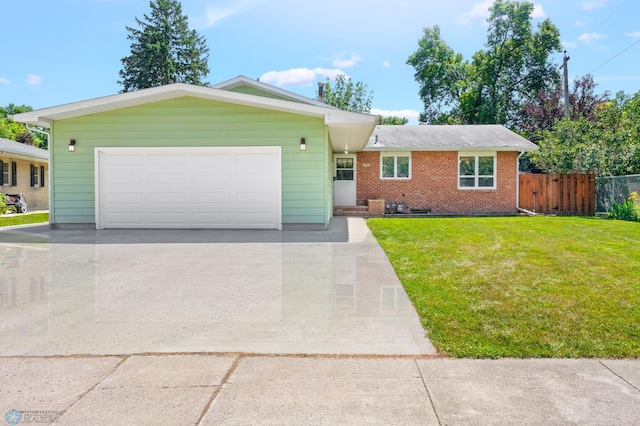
[(344, 180)]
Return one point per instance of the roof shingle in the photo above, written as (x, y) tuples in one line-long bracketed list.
[(17, 148), (482, 137)]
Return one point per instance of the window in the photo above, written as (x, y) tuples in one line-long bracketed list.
[(34, 176), (476, 171), (14, 173), (395, 166), (41, 176), (344, 168), (4, 171)]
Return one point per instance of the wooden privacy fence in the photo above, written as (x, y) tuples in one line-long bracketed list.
[(565, 194)]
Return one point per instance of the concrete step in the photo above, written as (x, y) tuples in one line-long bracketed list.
[(351, 208), (351, 213)]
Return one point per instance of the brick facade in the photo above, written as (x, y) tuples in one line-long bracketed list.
[(434, 184), (37, 197)]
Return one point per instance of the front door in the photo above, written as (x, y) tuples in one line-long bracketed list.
[(344, 180)]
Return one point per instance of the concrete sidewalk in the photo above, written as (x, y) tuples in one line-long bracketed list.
[(254, 389)]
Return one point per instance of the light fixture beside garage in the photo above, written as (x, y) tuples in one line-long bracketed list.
[(303, 144), (72, 145)]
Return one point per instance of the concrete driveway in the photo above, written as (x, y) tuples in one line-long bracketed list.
[(131, 292), (243, 327)]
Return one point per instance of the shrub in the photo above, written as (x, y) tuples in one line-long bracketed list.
[(3, 203), (629, 210)]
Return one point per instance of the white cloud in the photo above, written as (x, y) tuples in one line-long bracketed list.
[(569, 44), (409, 114), (215, 14), (34, 80), (538, 12), (4, 81), (579, 23), (301, 77), (634, 34), (593, 4), (588, 38), (386, 64), (340, 62), (481, 10)]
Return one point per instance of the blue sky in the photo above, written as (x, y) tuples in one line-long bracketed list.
[(61, 51)]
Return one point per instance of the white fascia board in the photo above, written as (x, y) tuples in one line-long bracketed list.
[(44, 117), (453, 148)]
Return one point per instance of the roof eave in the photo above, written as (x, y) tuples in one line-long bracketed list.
[(454, 148)]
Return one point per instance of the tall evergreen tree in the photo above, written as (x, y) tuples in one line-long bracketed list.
[(164, 50)]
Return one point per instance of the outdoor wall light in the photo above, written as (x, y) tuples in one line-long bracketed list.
[(303, 144), (72, 145)]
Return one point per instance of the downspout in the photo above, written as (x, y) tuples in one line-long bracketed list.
[(518, 208), (49, 148)]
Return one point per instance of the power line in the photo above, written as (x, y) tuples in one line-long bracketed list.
[(614, 56), (610, 15)]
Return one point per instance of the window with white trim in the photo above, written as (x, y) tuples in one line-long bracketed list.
[(395, 166), (476, 171)]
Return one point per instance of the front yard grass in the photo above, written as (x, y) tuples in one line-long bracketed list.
[(23, 219), (520, 286)]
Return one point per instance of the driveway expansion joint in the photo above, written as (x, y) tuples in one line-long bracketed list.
[(216, 392), (618, 375)]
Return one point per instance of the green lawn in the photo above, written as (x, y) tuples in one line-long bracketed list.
[(521, 286), (23, 219)]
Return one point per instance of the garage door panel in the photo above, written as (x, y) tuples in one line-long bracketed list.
[(166, 161), (194, 188)]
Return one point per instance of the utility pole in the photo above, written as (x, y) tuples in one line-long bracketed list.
[(567, 112)]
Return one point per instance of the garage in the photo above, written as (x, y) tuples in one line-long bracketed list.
[(188, 187)]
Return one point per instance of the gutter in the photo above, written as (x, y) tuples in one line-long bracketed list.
[(518, 208), (49, 162)]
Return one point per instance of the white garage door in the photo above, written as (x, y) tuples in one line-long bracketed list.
[(213, 187)]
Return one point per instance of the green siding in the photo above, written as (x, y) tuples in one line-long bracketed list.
[(192, 122), (249, 90)]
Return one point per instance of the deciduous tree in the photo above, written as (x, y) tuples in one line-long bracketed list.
[(393, 120), (347, 95), (491, 88)]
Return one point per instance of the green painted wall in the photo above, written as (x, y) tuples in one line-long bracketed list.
[(250, 90), (192, 122)]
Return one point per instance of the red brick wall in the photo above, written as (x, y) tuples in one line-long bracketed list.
[(434, 184)]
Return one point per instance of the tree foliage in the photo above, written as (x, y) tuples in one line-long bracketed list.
[(164, 50), (18, 132), (607, 144), (541, 112), (393, 120), (347, 95), (491, 88)]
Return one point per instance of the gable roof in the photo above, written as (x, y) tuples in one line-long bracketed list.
[(21, 150), (241, 81), (347, 130), (479, 137)]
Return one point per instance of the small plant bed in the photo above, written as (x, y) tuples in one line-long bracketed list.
[(520, 286), (23, 219)]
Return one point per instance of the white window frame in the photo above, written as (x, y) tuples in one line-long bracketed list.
[(476, 176), (395, 156)]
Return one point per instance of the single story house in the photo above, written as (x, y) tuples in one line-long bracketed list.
[(448, 170), (240, 154), (25, 169), (244, 154)]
